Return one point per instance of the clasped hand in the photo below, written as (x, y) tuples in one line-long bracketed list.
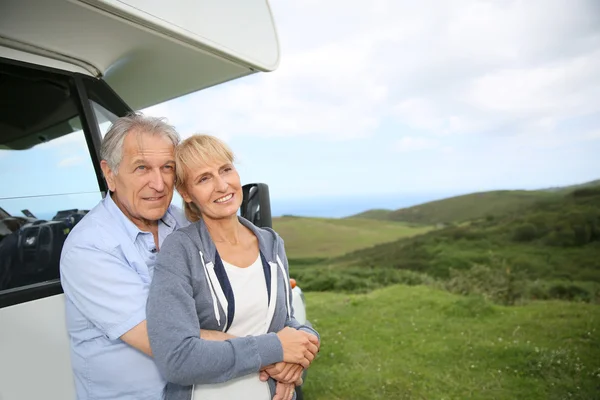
[(299, 350)]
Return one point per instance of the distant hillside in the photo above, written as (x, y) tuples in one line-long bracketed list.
[(557, 239), (566, 189), (469, 207), (472, 206), (379, 214), (322, 237)]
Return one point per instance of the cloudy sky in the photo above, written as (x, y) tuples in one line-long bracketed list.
[(385, 99)]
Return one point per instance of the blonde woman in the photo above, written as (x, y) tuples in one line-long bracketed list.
[(227, 279)]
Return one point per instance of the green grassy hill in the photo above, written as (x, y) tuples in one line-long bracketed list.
[(566, 189), (469, 207), (472, 206), (380, 214), (420, 343), (548, 250), (309, 238)]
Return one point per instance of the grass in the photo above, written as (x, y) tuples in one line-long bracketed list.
[(417, 342), (470, 207), (309, 238)]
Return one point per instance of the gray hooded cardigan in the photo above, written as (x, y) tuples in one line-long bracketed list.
[(190, 290)]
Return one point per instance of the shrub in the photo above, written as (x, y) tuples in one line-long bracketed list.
[(498, 283), (569, 292), (561, 236), (588, 292), (587, 192), (472, 306), (525, 233)]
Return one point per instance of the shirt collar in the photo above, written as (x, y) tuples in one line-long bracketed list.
[(130, 228)]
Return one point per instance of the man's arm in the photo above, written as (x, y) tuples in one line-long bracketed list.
[(137, 337), (215, 335), (106, 290)]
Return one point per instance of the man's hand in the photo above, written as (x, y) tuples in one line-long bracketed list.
[(298, 347), (284, 391), (283, 372)]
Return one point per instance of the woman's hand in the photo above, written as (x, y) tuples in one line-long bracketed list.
[(299, 347), (283, 372)]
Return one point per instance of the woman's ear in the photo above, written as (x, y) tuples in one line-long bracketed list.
[(184, 195)]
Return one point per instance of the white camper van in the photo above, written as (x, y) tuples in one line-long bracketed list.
[(67, 69)]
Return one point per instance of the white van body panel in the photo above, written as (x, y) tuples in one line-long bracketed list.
[(239, 29), (147, 51), (298, 305), (34, 347), (23, 56)]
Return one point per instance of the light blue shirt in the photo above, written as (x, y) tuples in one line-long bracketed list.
[(106, 267)]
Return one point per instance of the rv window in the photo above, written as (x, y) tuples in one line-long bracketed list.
[(104, 117), (48, 179)]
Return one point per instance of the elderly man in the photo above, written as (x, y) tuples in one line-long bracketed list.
[(107, 262)]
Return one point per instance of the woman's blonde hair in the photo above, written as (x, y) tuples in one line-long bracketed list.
[(195, 151)]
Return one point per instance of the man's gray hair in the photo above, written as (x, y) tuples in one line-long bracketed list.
[(111, 149)]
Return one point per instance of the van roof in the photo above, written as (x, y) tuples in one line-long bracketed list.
[(148, 52)]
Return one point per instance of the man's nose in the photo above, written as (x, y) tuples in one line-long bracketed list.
[(157, 181)]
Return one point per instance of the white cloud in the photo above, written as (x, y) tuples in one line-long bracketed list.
[(593, 135), (70, 161), (74, 140), (445, 67), (412, 144)]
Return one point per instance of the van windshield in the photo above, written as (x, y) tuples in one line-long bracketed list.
[(47, 174)]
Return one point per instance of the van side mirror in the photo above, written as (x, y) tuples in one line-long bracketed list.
[(256, 205)]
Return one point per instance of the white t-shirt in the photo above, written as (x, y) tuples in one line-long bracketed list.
[(251, 309)]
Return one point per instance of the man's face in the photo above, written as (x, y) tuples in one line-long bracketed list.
[(143, 186)]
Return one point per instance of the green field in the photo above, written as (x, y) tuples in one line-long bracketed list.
[(416, 342), (321, 237)]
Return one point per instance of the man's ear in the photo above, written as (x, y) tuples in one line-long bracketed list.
[(109, 176)]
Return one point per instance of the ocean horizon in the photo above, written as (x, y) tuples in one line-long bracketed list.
[(345, 206)]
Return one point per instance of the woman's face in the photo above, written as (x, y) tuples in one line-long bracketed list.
[(214, 188)]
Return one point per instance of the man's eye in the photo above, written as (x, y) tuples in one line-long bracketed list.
[(169, 167), (141, 167)]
